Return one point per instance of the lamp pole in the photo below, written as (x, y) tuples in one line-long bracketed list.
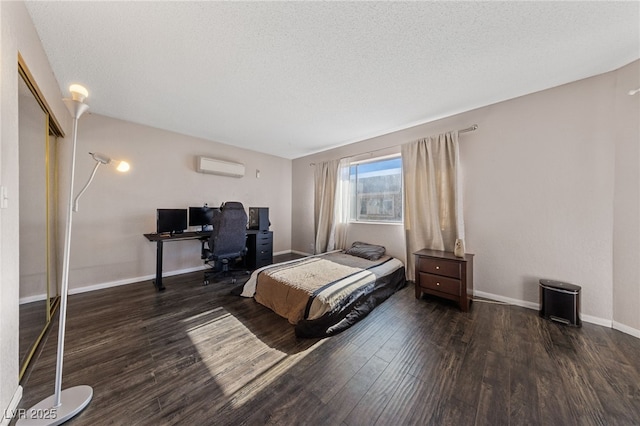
[(63, 405)]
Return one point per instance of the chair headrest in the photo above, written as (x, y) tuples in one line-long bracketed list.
[(232, 205)]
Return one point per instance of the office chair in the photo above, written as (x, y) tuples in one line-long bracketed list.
[(228, 239)]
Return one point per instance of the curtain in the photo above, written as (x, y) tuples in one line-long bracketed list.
[(326, 175), (432, 195), (332, 205), (342, 205)]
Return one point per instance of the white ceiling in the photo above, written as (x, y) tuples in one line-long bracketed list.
[(293, 78)]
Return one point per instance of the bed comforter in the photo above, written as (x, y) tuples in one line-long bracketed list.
[(325, 294)]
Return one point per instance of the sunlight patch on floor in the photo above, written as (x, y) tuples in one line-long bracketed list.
[(269, 375), (222, 341)]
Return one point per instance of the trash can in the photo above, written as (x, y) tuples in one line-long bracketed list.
[(560, 302)]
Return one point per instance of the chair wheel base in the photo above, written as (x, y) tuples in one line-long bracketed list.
[(205, 282)]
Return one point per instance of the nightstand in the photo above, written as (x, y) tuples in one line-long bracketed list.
[(442, 274)]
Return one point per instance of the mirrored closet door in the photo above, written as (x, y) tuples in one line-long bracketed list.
[(38, 131)]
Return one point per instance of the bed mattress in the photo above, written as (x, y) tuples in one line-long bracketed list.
[(325, 294)]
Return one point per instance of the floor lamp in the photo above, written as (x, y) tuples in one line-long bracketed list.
[(65, 404)]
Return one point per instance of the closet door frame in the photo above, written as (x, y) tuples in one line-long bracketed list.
[(52, 131)]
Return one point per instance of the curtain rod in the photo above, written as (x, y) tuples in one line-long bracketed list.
[(468, 129)]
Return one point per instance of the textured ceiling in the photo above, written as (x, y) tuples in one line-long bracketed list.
[(293, 78)]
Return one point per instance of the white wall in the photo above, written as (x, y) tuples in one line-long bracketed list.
[(539, 182), (108, 245), (539, 193), (626, 232)]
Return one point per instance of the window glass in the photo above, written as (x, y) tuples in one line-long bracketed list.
[(376, 190)]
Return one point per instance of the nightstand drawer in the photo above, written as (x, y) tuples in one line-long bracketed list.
[(439, 266), (441, 284)]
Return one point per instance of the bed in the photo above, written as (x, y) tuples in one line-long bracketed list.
[(325, 294)]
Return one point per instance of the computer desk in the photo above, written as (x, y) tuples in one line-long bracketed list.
[(160, 239), (259, 248)]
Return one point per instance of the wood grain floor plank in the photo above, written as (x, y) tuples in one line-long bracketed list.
[(375, 400), (343, 402), (200, 355), (407, 406), (338, 373), (494, 391), (524, 351), (456, 412)]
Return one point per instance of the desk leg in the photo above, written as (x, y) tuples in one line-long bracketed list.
[(158, 281)]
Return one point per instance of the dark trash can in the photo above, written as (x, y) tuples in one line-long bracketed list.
[(560, 302)]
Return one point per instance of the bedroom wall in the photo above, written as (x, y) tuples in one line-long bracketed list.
[(626, 231), (108, 247), (17, 35), (539, 179)]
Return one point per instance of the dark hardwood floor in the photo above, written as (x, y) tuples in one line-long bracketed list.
[(197, 354), (33, 319)]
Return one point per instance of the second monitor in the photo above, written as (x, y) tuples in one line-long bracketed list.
[(173, 221), (200, 216)]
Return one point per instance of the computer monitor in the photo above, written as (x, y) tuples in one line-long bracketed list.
[(173, 221), (200, 216)]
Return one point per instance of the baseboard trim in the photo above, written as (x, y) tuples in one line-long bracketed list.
[(536, 306), (12, 409), (149, 277), (626, 329), (110, 284), (516, 302), (29, 299), (510, 301), (596, 320), (301, 253)]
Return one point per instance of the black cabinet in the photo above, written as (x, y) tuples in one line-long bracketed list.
[(259, 248)]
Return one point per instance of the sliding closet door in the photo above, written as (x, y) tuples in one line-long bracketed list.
[(37, 194)]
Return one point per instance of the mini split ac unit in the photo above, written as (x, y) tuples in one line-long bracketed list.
[(219, 167)]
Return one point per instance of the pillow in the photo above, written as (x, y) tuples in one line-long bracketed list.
[(366, 250)]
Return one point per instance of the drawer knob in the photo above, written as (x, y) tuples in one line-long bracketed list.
[(437, 283), (437, 267)]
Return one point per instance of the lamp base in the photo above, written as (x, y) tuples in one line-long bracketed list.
[(72, 402)]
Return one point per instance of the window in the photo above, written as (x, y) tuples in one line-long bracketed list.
[(376, 190)]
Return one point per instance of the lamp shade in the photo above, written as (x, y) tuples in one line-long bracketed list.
[(123, 166), (100, 158), (78, 93)]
